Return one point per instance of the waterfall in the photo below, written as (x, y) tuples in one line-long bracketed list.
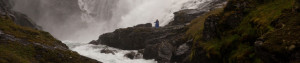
[(125, 13), (79, 22), (85, 20), (112, 14)]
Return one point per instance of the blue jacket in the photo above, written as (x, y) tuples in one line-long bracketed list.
[(156, 24)]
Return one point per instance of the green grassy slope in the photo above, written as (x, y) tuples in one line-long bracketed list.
[(242, 23), (33, 46)]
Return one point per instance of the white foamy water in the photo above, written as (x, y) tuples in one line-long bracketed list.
[(150, 10), (107, 15), (93, 51), (84, 20)]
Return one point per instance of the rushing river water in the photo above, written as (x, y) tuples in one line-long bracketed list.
[(93, 51)]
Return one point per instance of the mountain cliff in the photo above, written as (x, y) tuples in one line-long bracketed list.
[(22, 41), (243, 31), (248, 31)]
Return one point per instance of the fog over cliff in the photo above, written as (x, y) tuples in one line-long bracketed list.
[(76, 22), (85, 20)]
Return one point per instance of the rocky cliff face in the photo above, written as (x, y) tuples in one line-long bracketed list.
[(19, 18), (22, 41), (164, 44), (158, 43), (244, 31), (248, 31)]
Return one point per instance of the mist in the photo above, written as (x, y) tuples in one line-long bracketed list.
[(85, 20)]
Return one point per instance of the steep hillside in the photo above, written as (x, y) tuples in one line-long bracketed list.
[(22, 41), (26, 45), (248, 31)]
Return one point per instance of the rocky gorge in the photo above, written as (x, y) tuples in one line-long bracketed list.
[(243, 31), (164, 44), (224, 31)]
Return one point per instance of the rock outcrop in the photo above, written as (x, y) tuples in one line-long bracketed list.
[(134, 55), (165, 44), (108, 51), (17, 17), (22, 41), (26, 45), (158, 43), (138, 37)]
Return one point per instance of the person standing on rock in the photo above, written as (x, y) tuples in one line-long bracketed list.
[(156, 23)]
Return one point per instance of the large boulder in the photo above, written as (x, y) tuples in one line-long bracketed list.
[(165, 44), (162, 52), (181, 54), (130, 38), (153, 43)]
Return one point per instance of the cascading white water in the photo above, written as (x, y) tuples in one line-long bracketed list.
[(113, 14), (84, 20), (150, 10), (107, 15), (93, 51), (125, 13)]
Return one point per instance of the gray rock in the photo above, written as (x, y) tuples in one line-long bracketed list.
[(130, 55), (139, 56), (133, 55), (94, 42), (161, 52), (134, 38), (18, 18), (182, 49), (108, 51), (141, 51), (144, 25), (24, 20), (161, 43)]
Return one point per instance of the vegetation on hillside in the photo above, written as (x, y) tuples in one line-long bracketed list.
[(241, 24), (27, 45)]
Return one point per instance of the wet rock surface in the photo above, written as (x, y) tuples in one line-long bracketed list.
[(134, 55), (134, 38), (162, 52), (17, 17), (94, 42), (152, 43), (165, 44), (108, 51)]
